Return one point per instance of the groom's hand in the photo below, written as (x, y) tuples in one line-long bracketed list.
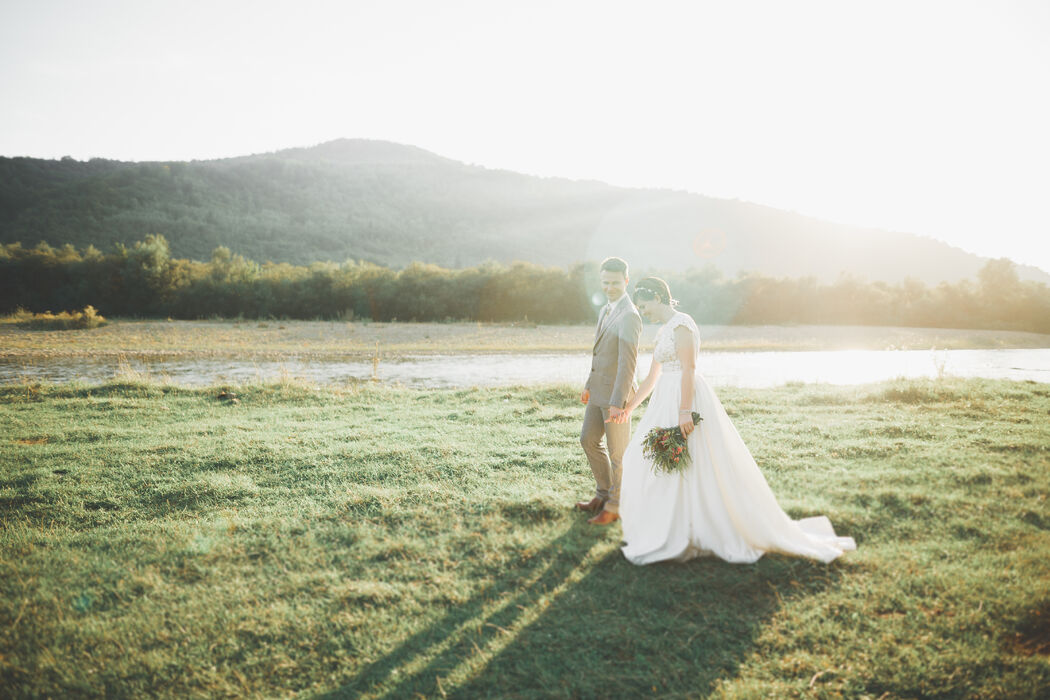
[(585, 396), (615, 415)]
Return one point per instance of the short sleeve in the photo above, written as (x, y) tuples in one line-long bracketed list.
[(682, 319)]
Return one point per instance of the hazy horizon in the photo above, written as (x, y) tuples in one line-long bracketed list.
[(923, 118)]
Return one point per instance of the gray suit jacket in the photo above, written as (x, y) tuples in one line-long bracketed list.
[(611, 382)]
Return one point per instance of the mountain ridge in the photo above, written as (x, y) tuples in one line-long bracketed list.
[(394, 204)]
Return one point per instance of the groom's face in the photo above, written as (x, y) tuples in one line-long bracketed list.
[(614, 284)]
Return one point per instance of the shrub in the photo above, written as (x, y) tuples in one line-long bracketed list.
[(63, 321)]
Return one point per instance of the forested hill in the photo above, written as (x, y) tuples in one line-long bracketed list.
[(394, 204)]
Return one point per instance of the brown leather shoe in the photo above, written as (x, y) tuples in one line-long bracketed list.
[(604, 518), (591, 505)]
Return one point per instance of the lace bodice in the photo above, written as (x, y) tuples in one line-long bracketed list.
[(664, 350)]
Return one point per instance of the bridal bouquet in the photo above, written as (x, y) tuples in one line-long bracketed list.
[(667, 448)]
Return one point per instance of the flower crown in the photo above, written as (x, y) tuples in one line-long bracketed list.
[(661, 293)]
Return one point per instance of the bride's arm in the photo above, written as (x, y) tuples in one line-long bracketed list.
[(645, 389), (686, 351)]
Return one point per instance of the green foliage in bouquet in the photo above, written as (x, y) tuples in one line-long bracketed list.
[(667, 448)]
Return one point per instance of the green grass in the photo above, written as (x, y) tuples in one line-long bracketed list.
[(379, 541)]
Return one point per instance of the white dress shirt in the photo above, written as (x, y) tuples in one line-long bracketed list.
[(608, 310)]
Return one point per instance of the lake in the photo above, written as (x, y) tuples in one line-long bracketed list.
[(743, 369)]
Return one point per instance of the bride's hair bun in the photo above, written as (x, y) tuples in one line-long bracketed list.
[(654, 288)]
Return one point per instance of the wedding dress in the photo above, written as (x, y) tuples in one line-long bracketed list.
[(720, 504)]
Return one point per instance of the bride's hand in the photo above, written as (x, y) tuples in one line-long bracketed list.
[(685, 422)]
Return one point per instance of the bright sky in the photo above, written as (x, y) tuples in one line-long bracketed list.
[(926, 116)]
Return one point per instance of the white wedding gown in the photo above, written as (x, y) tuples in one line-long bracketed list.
[(720, 504)]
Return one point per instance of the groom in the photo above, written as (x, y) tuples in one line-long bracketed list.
[(608, 389)]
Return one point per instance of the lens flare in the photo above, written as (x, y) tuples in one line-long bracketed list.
[(709, 244)]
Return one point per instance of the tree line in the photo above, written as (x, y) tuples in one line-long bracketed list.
[(144, 280)]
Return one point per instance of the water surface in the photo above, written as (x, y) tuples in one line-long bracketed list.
[(743, 369)]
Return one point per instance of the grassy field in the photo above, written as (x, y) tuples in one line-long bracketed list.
[(386, 542), (331, 339)]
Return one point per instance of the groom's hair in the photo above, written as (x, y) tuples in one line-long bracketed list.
[(614, 265)]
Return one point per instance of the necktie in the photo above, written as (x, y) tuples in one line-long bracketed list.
[(606, 310)]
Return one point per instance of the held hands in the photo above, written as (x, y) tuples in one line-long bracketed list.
[(616, 415)]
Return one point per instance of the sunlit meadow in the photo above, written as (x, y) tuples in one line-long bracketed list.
[(375, 541)]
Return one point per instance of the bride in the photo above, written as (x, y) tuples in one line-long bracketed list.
[(720, 504)]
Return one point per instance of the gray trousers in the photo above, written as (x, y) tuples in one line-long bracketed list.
[(606, 462)]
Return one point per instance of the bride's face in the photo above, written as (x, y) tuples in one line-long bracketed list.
[(650, 308)]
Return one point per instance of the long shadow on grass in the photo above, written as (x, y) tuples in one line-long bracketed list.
[(567, 623), (466, 627), (625, 631)]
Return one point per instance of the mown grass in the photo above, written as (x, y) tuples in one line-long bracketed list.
[(386, 542)]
